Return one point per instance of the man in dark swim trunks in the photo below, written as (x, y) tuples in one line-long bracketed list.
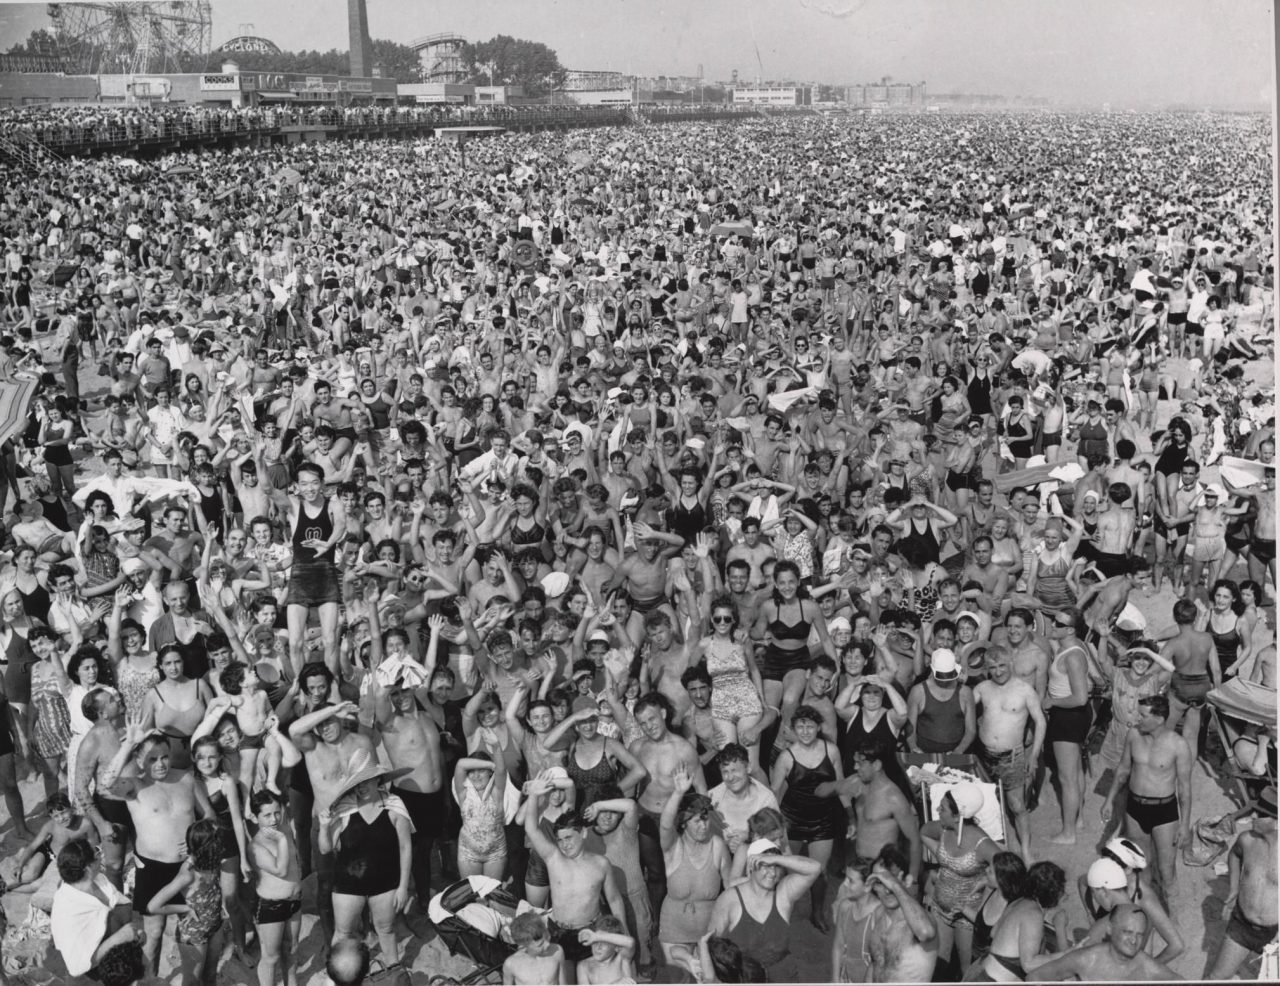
[(1156, 768), (1251, 909), (1196, 671)]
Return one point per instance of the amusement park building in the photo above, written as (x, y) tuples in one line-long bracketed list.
[(228, 87)]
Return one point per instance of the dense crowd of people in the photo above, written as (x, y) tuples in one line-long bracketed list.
[(691, 531), (80, 125)]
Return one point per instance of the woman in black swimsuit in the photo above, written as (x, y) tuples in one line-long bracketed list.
[(786, 645), (688, 514), (28, 584), (593, 760), (527, 526), (1020, 432)]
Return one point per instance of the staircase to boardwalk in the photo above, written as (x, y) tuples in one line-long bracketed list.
[(27, 155)]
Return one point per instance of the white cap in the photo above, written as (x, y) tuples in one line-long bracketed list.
[(1107, 874), (1128, 852), (761, 846), (839, 623), (555, 584), (943, 662), (1215, 489), (131, 566), (601, 636), (969, 800)]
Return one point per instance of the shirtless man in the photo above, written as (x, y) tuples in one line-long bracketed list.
[(902, 938), (337, 415), (754, 551), (1262, 549), (1005, 705), (412, 740), (331, 754), (1156, 769), (993, 578), (94, 799), (644, 574), (1116, 525), (1103, 602), (183, 546), (1123, 471), (163, 803), (1251, 909), (1195, 671), (578, 878), (667, 661), (883, 814), (659, 751), (1030, 656), (1120, 959)]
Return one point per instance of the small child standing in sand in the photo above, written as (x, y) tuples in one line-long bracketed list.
[(278, 914), (252, 710), (538, 962)]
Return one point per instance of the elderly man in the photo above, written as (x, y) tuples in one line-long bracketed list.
[(1006, 705), (1120, 959)]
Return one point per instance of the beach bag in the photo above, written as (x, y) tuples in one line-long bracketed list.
[(1210, 838)]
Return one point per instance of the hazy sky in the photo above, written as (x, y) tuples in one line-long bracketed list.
[(1125, 51)]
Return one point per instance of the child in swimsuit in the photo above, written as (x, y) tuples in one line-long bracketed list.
[(243, 695), (195, 895)]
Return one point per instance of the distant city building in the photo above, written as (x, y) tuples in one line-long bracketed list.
[(886, 94), (774, 95), (576, 80)]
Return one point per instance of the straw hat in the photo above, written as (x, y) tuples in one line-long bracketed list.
[(372, 772)]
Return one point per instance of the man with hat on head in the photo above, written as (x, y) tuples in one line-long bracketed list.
[(1251, 909), (941, 709)]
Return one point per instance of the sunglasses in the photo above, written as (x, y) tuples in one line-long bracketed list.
[(719, 620)]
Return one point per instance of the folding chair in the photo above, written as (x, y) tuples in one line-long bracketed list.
[(1233, 707)]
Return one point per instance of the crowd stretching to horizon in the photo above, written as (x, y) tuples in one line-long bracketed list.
[(639, 520)]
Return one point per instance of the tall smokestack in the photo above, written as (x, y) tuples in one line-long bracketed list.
[(358, 28)]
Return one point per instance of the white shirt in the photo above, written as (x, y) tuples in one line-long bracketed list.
[(1035, 360), (78, 922), (735, 811)]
